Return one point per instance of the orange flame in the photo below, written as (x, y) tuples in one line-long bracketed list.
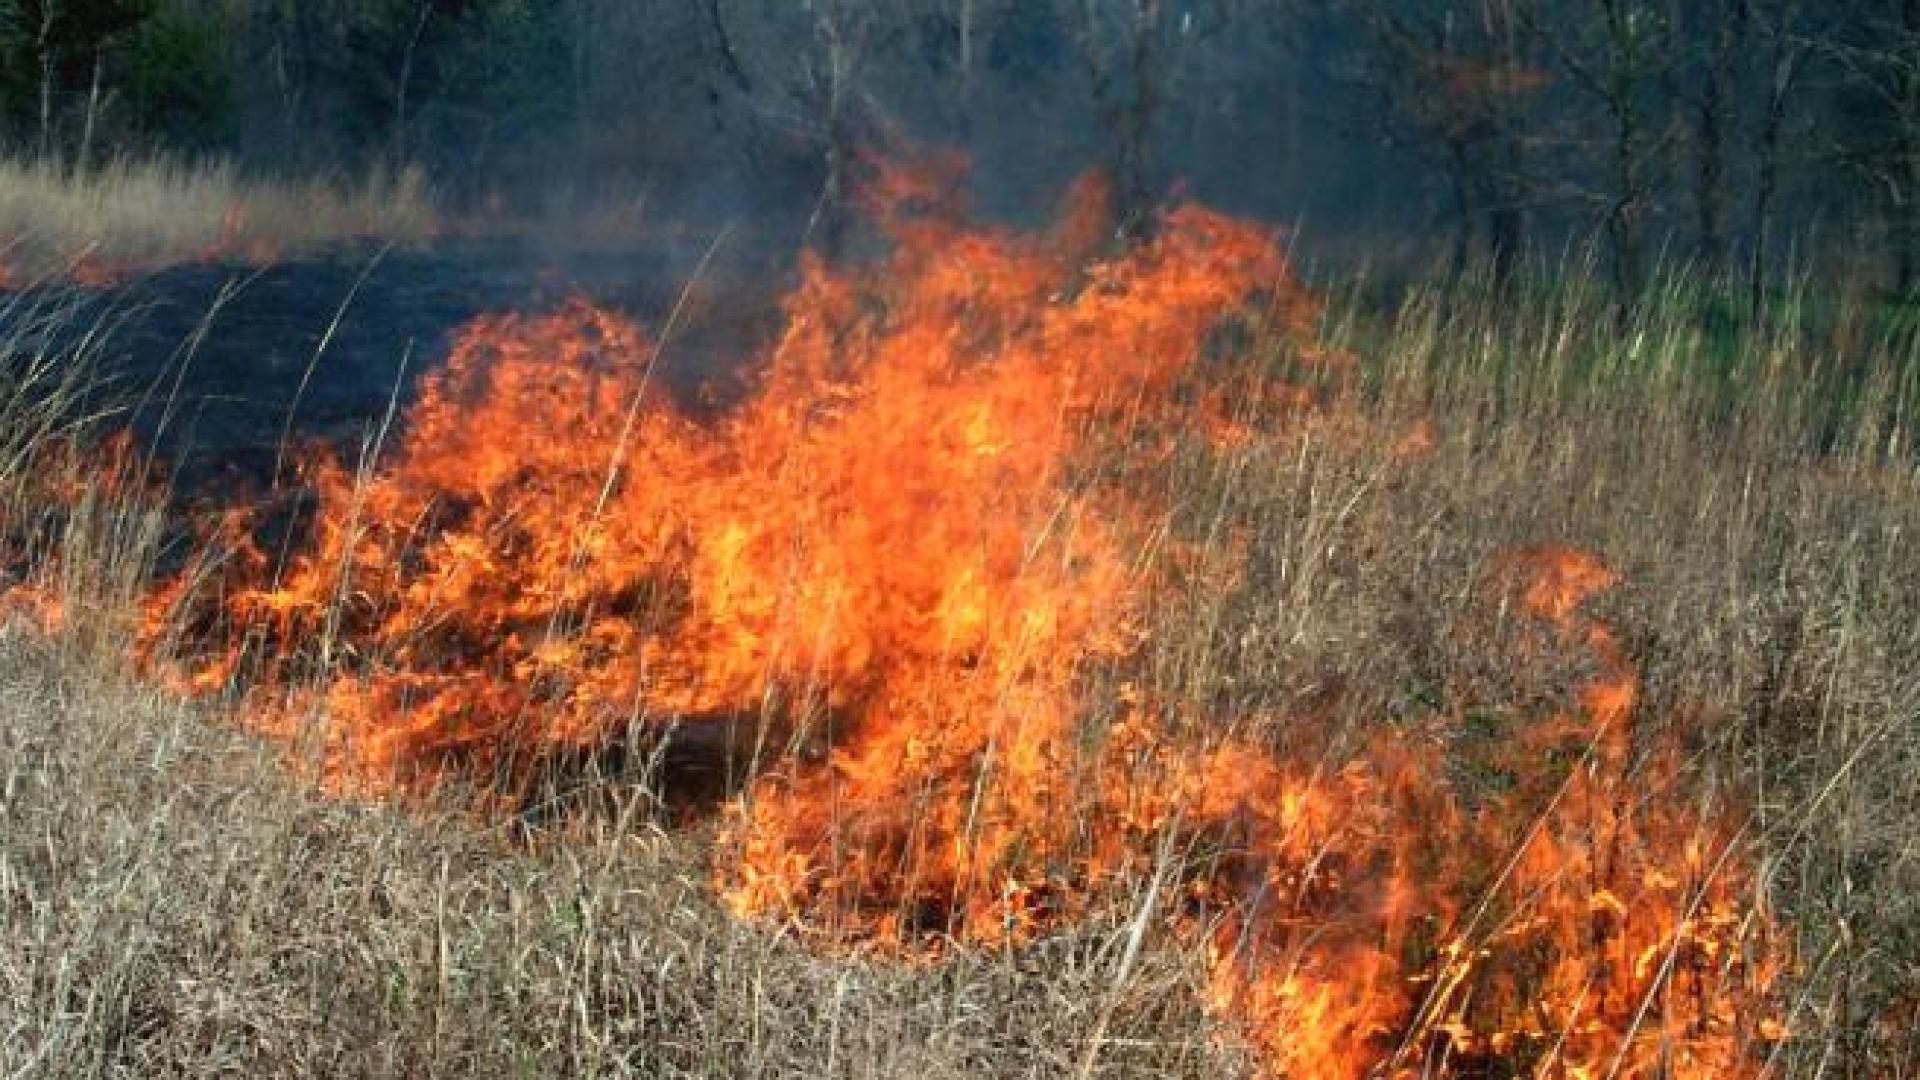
[(237, 241), (890, 526), (1586, 923), (906, 550)]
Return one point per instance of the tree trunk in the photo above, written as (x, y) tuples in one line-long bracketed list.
[(286, 87), (1783, 72), (1507, 211), (1759, 254), (1127, 92), (828, 226), (1506, 227), (43, 48), (1630, 195), (580, 29), (1133, 180), (84, 158), (1906, 228), (1716, 105), (966, 17), (1463, 212), (1623, 218), (403, 84)]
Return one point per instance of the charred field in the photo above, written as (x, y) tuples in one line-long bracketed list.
[(993, 651)]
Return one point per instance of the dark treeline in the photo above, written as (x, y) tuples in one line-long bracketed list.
[(1726, 132)]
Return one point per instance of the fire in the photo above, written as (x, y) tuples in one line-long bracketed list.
[(891, 530), (906, 555), (238, 241), (68, 497), (1588, 922)]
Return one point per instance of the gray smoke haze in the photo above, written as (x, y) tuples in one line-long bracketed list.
[(1392, 132)]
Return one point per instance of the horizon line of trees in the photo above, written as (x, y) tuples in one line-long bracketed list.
[(1723, 131)]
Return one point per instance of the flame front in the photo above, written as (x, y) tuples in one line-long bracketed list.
[(890, 527), (1589, 922), (907, 553)]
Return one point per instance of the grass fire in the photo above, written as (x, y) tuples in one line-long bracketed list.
[(514, 566), (919, 559)]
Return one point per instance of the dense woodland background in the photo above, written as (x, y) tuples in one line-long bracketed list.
[(1741, 135)]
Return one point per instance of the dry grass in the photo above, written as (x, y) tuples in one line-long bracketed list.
[(173, 903), (1760, 494), (136, 214)]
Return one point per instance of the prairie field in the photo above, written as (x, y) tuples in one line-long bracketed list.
[(134, 215), (1301, 540), (1507, 623)]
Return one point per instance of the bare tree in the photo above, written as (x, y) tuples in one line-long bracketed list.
[(44, 47), (1135, 53), (1724, 28), (842, 30), (1631, 59), (69, 41), (1124, 44), (403, 81), (802, 72), (1876, 46), (1787, 54), (1458, 83)]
